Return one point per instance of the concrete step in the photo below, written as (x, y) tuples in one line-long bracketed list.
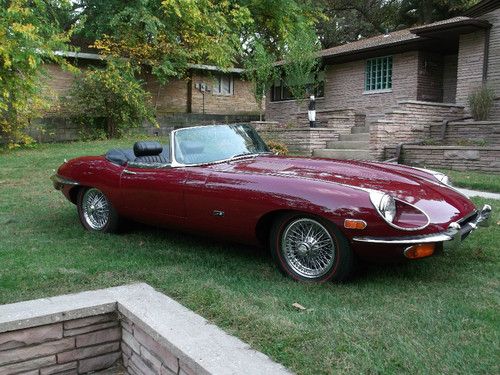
[(352, 145), (355, 137), (359, 129), (342, 154)]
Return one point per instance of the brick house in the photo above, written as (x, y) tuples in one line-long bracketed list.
[(227, 93), (409, 77), (206, 95)]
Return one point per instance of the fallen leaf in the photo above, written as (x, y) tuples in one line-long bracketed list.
[(298, 306)]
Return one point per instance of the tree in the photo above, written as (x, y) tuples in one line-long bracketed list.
[(301, 63), (29, 36), (261, 72), (109, 101), (169, 34)]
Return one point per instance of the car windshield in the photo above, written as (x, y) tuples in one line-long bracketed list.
[(213, 143)]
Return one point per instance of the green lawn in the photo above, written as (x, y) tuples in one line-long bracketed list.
[(437, 315), (474, 180)]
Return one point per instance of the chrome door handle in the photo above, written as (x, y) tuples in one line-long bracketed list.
[(126, 171)]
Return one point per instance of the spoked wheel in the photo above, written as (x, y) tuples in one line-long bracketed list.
[(310, 249), (96, 211)]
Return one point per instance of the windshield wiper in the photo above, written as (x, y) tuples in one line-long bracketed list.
[(249, 154)]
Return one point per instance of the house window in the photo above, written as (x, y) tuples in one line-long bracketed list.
[(378, 75), (280, 91), (224, 85)]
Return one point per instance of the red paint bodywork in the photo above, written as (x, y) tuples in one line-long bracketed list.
[(249, 190)]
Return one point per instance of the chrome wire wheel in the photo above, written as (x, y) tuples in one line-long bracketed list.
[(95, 209), (308, 248)]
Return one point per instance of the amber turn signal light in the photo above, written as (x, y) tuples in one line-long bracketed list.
[(354, 224), (419, 251)]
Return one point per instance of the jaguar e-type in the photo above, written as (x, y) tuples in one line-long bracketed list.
[(318, 216)]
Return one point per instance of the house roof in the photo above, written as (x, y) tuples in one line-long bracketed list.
[(97, 57), (405, 36), (482, 7)]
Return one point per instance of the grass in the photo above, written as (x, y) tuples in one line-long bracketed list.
[(437, 315), (474, 180)]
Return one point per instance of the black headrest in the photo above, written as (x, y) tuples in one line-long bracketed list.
[(147, 148)]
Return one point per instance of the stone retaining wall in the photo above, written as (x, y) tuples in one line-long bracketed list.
[(300, 140), (151, 333), (142, 354), (458, 158), (72, 347), (483, 133), (409, 123), (60, 129)]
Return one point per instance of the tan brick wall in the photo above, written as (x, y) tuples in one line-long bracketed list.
[(76, 346), (470, 65), (169, 98), (494, 59), (173, 97), (241, 101), (430, 77)]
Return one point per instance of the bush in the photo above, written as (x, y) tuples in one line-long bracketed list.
[(278, 148), (107, 102), (481, 102)]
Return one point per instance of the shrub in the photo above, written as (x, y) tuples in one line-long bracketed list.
[(481, 102), (278, 148), (107, 102)]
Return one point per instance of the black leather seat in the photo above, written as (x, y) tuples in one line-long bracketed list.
[(150, 152), (142, 152)]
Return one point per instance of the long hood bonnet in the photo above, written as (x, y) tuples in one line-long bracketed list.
[(405, 183)]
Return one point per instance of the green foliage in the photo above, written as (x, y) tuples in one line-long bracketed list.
[(348, 20), (107, 102), (278, 148), (481, 102), (260, 70), (301, 63), (169, 34), (29, 36)]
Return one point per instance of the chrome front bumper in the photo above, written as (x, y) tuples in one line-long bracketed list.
[(59, 182), (455, 233)]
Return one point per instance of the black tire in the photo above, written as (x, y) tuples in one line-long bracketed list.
[(108, 219), (318, 257)]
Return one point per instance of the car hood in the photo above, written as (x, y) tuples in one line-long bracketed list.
[(405, 183)]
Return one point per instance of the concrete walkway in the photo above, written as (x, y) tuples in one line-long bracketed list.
[(482, 194)]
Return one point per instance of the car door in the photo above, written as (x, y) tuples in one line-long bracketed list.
[(221, 204), (154, 195)]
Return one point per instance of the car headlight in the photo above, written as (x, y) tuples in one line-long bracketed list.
[(385, 205)]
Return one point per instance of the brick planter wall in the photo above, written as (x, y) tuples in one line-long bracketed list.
[(459, 158), (487, 132), (409, 123), (300, 140), (142, 354), (75, 346)]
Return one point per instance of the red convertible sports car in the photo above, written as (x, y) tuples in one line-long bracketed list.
[(317, 215)]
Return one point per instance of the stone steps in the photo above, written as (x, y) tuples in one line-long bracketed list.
[(342, 154), (355, 137), (349, 145), (359, 129)]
